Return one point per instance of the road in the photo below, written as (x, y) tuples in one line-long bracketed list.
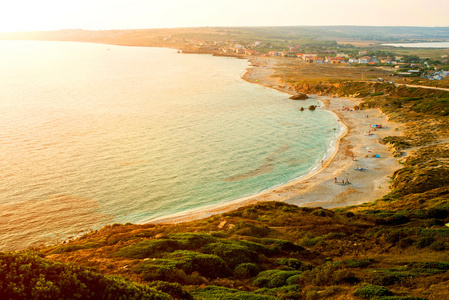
[(422, 86)]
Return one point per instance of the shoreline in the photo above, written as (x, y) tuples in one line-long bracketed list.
[(319, 188)]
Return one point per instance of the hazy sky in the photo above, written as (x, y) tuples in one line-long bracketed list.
[(20, 15)]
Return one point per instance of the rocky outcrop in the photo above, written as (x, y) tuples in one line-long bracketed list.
[(300, 96)]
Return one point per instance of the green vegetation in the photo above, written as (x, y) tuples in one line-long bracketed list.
[(29, 276)]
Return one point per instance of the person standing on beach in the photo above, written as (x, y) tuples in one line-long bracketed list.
[(335, 180)]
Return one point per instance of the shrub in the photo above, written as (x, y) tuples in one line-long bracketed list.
[(217, 292), (388, 278), (321, 275), (423, 242), (172, 242), (290, 292), (247, 229), (363, 263), (290, 262), (246, 270), (369, 291), (232, 252), (173, 289), (149, 248), (345, 277), (284, 245), (187, 261), (401, 298), (432, 265), (273, 278), (26, 275), (405, 243), (437, 246), (192, 241)]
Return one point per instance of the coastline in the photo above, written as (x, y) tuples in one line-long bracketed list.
[(354, 148)]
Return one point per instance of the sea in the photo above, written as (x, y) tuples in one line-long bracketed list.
[(420, 45), (95, 134)]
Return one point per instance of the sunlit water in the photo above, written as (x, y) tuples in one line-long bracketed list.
[(96, 134), (420, 45)]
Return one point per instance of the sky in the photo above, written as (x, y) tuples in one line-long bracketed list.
[(34, 15)]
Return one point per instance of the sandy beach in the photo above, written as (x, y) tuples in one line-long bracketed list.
[(355, 149)]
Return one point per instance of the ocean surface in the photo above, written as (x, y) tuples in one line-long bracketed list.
[(95, 134), (420, 45)]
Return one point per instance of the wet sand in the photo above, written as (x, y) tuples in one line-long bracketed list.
[(355, 148)]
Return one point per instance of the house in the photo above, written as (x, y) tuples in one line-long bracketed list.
[(308, 56), (251, 52), (299, 55), (343, 55), (363, 52), (374, 60), (353, 61), (364, 60), (274, 53)]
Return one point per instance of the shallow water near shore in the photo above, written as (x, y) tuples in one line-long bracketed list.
[(98, 134)]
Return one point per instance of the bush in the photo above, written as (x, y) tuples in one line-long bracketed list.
[(439, 265), (437, 246), (284, 245), (363, 263), (423, 242), (290, 262), (172, 242), (217, 292), (26, 275), (405, 243), (188, 261), (247, 229), (369, 291), (401, 298), (345, 277), (232, 252), (388, 278), (173, 289), (246, 270), (290, 292), (149, 248), (273, 278)]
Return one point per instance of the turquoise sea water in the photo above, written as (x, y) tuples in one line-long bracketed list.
[(97, 134)]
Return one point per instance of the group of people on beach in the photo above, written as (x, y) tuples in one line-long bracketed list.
[(349, 109), (343, 182)]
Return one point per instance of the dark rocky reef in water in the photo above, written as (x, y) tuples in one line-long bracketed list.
[(300, 96)]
